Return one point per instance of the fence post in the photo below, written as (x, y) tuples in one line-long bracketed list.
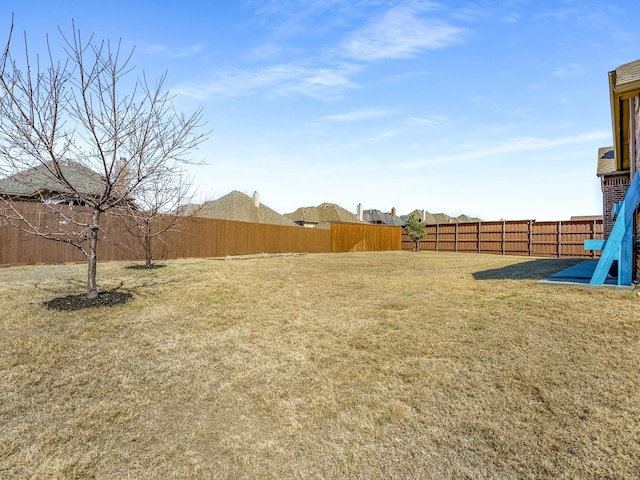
[(559, 238), (456, 237), (479, 228), (504, 224), (437, 235), (530, 237), (593, 236)]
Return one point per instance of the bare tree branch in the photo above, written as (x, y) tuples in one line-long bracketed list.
[(68, 134), (160, 208)]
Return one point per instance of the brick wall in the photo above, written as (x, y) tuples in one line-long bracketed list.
[(613, 190)]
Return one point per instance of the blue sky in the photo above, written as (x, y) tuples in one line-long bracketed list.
[(494, 109)]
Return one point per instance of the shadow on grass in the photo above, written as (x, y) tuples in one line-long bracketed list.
[(72, 303), (528, 270), (142, 266)]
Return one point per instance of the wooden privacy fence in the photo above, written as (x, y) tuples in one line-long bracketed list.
[(359, 237), (198, 238), (207, 237), (512, 237)]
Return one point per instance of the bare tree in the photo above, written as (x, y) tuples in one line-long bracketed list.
[(161, 206), (58, 117)]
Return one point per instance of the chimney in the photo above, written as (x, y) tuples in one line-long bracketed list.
[(393, 212), (121, 180), (360, 215), (424, 216), (256, 199)]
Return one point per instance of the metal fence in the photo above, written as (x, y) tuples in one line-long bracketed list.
[(512, 237)]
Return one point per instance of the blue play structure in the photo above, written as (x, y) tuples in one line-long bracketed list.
[(619, 246)]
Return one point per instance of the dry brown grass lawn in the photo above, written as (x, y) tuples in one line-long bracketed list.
[(372, 365)]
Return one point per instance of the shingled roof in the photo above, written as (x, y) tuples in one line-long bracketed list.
[(378, 217), (41, 181), (440, 218), (628, 75), (323, 213), (462, 218), (606, 161), (240, 207)]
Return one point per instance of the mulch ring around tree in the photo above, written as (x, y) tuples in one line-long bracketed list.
[(79, 302)]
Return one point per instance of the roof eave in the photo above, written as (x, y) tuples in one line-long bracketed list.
[(613, 173), (618, 93)]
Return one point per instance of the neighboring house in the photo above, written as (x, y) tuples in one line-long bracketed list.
[(440, 218), (321, 216), (382, 218), (40, 184), (431, 218), (462, 218), (240, 207)]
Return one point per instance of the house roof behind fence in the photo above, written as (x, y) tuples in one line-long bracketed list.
[(325, 212), (433, 218), (462, 218), (240, 207), (41, 180), (376, 216), (430, 218)]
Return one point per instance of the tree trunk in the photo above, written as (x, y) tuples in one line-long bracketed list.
[(92, 286), (147, 247)]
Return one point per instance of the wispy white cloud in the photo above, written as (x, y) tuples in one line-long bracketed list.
[(357, 115), (268, 50), (568, 70), (385, 131), (186, 51), (155, 48), (292, 17), (515, 145), (421, 122), (399, 31), (561, 14), (181, 52), (402, 32), (280, 80), (511, 18)]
